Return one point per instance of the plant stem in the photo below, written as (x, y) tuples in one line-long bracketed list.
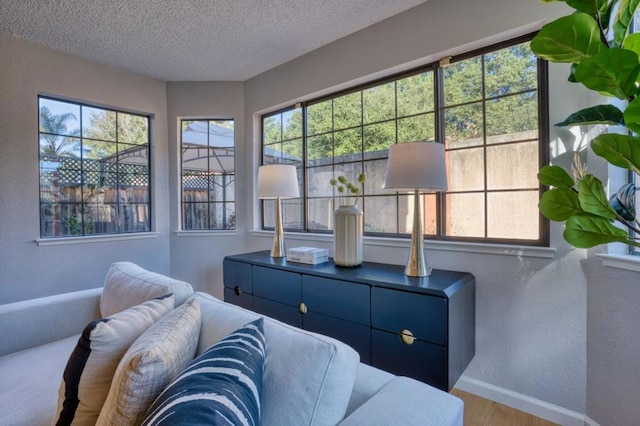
[(628, 225)]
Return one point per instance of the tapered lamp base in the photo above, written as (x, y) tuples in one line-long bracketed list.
[(417, 263), (278, 249)]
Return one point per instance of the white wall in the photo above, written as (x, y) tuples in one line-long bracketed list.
[(196, 257), (27, 270), (531, 312)]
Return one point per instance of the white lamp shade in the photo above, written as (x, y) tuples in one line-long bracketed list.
[(278, 180), (416, 165)]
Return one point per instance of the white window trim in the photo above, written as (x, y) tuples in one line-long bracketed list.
[(205, 233), (627, 262), (466, 247), (59, 241)]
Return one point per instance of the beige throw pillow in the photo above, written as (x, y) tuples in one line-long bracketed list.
[(92, 364), (127, 284), (150, 364)]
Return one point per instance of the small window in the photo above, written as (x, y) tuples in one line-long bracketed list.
[(208, 174), (94, 170)]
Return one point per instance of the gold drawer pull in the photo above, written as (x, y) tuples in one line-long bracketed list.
[(407, 337), (302, 308), (237, 290)]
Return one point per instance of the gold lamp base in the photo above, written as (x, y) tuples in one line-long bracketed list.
[(278, 249), (417, 264)]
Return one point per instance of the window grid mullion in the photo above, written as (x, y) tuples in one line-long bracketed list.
[(441, 200), (484, 146)]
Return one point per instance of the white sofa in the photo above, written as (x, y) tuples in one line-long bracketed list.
[(37, 337)]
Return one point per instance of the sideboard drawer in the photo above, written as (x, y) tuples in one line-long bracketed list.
[(281, 312), (355, 335), (421, 360), (328, 297), (244, 300), (277, 285), (423, 315), (237, 274)]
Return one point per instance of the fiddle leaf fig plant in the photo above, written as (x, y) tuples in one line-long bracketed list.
[(604, 57)]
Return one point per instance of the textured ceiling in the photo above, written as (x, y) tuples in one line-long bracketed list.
[(192, 40)]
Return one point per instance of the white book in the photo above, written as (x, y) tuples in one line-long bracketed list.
[(307, 260), (309, 253)]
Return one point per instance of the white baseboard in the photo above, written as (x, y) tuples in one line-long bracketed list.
[(536, 407)]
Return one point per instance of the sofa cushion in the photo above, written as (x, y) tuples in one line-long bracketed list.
[(150, 364), (222, 385), (94, 360), (127, 284), (405, 401), (307, 377), (369, 381), (29, 380)]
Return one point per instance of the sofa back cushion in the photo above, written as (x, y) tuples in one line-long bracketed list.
[(127, 284), (308, 377), (93, 362)]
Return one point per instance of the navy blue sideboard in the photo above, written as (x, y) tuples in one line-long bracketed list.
[(418, 327)]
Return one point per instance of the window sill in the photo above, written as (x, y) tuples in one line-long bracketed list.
[(621, 261), (207, 233), (500, 249), (94, 239)]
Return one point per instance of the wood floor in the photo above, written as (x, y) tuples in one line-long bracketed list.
[(483, 412)]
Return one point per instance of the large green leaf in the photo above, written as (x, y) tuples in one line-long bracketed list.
[(586, 231), (590, 7), (611, 71), (555, 176), (568, 39), (593, 199), (632, 42), (559, 204), (600, 114), (632, 115), (619, 150), (623, 19)]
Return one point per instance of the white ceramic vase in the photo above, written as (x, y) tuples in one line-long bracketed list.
[(347, 236)]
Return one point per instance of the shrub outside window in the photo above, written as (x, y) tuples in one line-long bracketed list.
[(94, 170)]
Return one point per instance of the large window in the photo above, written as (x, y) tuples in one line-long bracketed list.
[(94, 170), (208, 174), (487, 107)]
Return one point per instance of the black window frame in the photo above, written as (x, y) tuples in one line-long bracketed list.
[(123, 207), (542, 90), (210, 174)]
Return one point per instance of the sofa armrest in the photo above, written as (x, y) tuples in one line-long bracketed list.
[(34, 322), (405, 401)]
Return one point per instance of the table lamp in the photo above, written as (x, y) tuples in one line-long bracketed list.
[(417, 167), (277, 181)]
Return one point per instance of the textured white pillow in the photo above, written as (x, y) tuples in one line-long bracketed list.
[(308, 377), (92, 364), (127, 284), (150, 364)]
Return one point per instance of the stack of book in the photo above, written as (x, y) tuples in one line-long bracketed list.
[(310, 255)]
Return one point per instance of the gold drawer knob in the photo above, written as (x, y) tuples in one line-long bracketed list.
[(407, 337), (302, 308), (237, 290)]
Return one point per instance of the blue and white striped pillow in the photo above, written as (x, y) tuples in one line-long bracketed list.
[(221, 386)]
